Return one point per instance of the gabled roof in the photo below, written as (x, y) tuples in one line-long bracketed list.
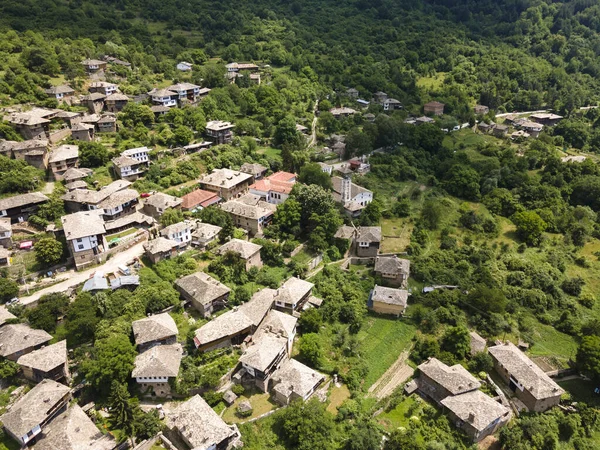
[(525, 371), (368, 234), (163, 201), (161, 93), (116, 97), (278, 323), (389, 296), (96, 283), (295, 377), (47, 358), (182, 87), (478, 343), (345, 232), (18, 337), (34, 407), (199, 424), (253, 168), (202, 287), (243, 248), (269, 185), (293, 290), (64, 152), (434, 104), (73, 174), (160, 245), (82, 126), (392, 264), (16, 201), (175, 228), (133, 151), (74, 430), (199, 197), (83, 224), (5, 315), (475, 408), (455, 379), (264, 351), (118, 198), (206, 231), (241, 207), (154, 328), (158, 361), (124, 161), (62, 89)]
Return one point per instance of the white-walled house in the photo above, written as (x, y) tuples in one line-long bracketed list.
[(179, 232), (141, 154), (84, 232)]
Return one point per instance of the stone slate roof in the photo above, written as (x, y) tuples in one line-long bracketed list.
[(455, 379), (392, 264), (175, 228), (160, 245), (239, 208), (5, 315), (278, 323), (33, 408), (18, 337), (199, 423), (253, 168), (158, 361), (293, 290), (63, 153), (94, 197), (5, 225), (74, 430), (345, 232), (124, 161), (202, 287), (17, 201), (525, 371), (182, 87), (73, 173), (47, 358), (478, 343), (163, 201), (368, 234), (154, 328), (264, 351), (225, 178), (475, 408), (389, 296), (206, 231), (243, 248), (82, 224), (295, 377), (137, 217), (118, 198), (62, 89)]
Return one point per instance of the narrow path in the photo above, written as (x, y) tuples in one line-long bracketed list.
[(313, 135), (397, 374), (48, 188)]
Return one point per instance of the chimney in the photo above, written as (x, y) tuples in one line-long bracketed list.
[(471, 417)]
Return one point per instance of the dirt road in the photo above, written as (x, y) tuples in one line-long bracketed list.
[(73, 278), (397, 374)]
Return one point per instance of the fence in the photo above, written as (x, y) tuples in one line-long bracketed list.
[(59, 135), (313, 263)]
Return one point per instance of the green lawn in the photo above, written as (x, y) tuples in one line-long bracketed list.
[(382, 340), (431, 83), (401, 414), (270, 152), (337, 396), (552, 343), (261, 404), (396, 235), (582, 391)]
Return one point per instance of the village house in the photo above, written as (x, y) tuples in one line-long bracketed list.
[(205, 234), (275, 188), (4, 260), (302, 129), (477, 343), (204, 292), (271, 345), (500, 131), (424, 120), (159, 110), (437, 380), (94, 102), (380, 97), (160, 248), (481, 110), (247, 251), (159, 329), (369, 117), (179, 232), (547, 119), (359, 165), (198, 200), (232, 327), (87, 200), (128, 168), (384, 300), (33, 124), (62, 93), (477, 414), (186, 92), (103, 87), (5, 232), (238, 67), (163, 97), (93, 65), (119, 204), (391, 104), (184, 66), (74, 430), (326, 168), (351, 92), (29, 415), (156, 367), (293, 381), (19, 339), (34, 151), (83, 132), (18, 208), (293, 295), (5, 315), (393, 270), (250, 213), (48, 362), (62, 159), (532, 128), (367, 241), (199, 426), (116, 102), (344, 111), (434, 108), (529, 383), (158, 203), (226, 183), (256, 170), (107, 124), (85, 235), (354, 198), (220, 131)]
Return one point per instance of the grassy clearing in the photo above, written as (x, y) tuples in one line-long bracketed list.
[(122, 234), (401, 414), (396, 234), (337, 396), (270, 152), (552, 343), (582, 391), (432, 83), (261, 404), (102, 176), (382, 340)]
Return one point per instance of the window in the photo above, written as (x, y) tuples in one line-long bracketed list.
[(80, 246)]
